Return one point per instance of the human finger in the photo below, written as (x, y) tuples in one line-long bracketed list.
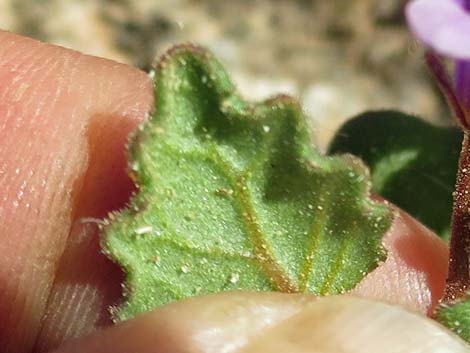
[(64, 119)]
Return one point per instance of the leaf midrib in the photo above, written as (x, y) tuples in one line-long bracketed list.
[(276, 275)]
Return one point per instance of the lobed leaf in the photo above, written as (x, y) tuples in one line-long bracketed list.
[(233, 195)]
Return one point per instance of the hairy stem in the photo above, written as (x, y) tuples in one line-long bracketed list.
[(458, 280)]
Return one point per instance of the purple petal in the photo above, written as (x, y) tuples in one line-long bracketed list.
[(464, 3), (443, 25)]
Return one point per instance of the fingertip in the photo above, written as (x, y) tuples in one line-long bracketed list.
[(246, 322)]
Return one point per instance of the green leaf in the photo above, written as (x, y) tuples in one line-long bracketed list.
[(234, 196), (413, 163), (456, 316)]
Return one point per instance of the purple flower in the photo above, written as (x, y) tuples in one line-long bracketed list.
[(444, 27)]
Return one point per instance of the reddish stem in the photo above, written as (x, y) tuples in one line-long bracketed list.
[(458, 280), (438, 70)]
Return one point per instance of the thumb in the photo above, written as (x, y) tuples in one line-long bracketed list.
[(267, 322)]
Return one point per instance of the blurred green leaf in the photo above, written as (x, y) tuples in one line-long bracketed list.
[(413, 163)]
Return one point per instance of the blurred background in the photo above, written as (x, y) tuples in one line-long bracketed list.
[(339, 57)]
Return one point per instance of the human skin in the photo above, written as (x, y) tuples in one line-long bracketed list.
[(64, 121)]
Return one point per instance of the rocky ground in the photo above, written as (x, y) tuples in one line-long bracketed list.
[(338, 57)]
